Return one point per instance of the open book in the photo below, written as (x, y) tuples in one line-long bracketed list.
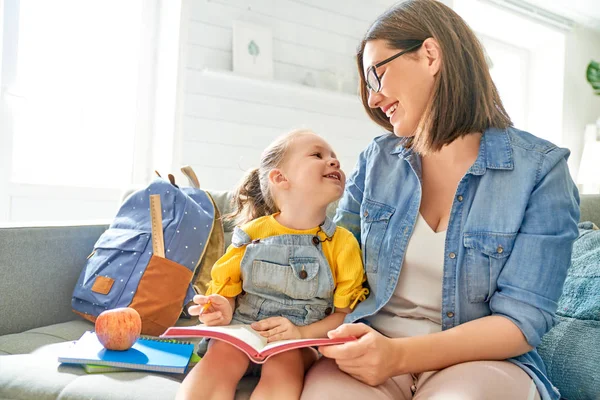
[(248, 340)]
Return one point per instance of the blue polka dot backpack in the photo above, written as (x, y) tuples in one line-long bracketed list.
[(152, 271)]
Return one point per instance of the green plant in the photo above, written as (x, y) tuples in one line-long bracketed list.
[(593, 76)]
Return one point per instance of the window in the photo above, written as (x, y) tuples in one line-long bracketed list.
[(75, 100), (509, 66), (528, 58)]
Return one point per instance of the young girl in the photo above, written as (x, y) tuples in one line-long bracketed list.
[(290, 272)]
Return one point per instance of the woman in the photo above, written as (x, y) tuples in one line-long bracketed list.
[(466, 226)]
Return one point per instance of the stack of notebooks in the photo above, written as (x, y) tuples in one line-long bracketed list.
[(147, 354)]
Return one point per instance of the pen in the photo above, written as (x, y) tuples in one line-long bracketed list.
[(207, 305)]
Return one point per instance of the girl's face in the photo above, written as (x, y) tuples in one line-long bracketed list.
[(312, 171), (406, 83)]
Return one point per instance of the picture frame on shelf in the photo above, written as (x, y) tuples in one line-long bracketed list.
[(252, 50)]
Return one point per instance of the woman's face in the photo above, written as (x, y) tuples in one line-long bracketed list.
[(406, 83)]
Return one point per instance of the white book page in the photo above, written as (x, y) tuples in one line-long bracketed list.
[(242, 332)]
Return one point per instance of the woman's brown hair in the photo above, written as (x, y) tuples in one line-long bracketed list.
[(253, 198), (464, 98)]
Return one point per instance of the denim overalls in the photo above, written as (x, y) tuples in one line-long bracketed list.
[(285, 275)]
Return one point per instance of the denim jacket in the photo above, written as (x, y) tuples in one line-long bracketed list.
[(509, 238)]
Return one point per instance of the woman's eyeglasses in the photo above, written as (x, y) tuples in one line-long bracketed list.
[(372, 79)]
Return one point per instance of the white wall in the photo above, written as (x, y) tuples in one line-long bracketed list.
[(227, 120), (560, 101), (316, 38), (543, 48), (580, 106), (309, 36)]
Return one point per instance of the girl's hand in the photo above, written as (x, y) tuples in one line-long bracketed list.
[(277, 328), (219, 312), (371, 359)]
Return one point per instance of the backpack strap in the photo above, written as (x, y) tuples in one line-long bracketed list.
[(191, 175), (240, 238)]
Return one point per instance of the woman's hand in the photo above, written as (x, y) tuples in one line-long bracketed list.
[(371, 359), (277, 328), (219, 311)]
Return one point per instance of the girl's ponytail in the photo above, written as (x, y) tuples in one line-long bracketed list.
[(248, 200)]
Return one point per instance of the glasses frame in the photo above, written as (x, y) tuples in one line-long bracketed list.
[(373, 68)]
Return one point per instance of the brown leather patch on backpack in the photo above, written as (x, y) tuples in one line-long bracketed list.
[(102, 284)]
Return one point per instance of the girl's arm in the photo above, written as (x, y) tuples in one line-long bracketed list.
[(320, 328), (281, 328), (227, 267), (222, 290)]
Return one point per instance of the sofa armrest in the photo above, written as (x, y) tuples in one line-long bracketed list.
[(40, 266)]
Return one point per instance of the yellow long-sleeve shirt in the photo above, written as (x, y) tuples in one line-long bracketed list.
[(342, 253)]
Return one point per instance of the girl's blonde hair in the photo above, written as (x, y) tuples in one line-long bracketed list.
[(253, 198)]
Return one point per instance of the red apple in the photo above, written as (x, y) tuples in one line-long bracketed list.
[(119, 328)]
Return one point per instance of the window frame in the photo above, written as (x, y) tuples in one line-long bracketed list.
[(144, 122)]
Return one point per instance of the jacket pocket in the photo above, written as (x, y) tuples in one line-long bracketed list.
[(375, 218), (298, 280), (486, 254)]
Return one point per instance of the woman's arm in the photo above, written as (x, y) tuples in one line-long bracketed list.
[(488, 338), (374, 358)]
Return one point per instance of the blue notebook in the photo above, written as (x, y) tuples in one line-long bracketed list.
[(146, 354)]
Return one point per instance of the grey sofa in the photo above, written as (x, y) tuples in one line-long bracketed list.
[(39, 267)]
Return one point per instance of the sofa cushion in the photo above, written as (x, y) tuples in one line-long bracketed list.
[(38, 374), (581, 293), (571, 350), (29, 341)]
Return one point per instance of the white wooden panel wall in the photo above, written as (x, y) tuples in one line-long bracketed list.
[(309, 36), (228, 120)]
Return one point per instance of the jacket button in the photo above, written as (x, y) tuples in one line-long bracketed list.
[(500, 249), (452, 255), (459, 198), (302, 274), (328, 311), (316, 240), (450, 314), (366, 213)]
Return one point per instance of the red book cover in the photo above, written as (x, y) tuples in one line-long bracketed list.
[(248, 340)]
